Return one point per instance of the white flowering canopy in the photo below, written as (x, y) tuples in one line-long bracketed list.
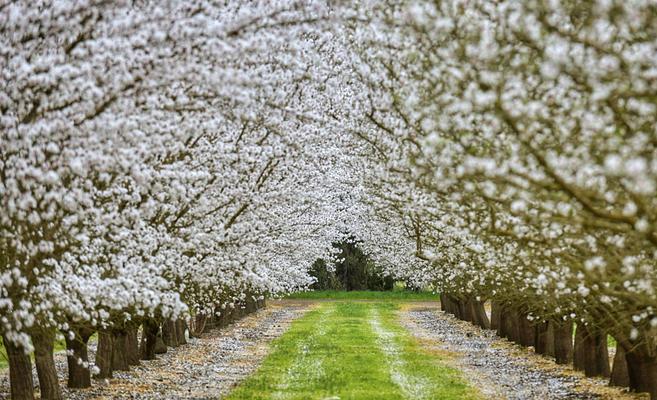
[(160, 158)]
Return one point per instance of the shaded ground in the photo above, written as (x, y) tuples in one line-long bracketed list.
[(500, 369)]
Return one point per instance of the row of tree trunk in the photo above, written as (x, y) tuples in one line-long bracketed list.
[(587, 352), (118, 349)]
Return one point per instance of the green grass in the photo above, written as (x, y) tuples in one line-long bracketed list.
[(405, 295), (351, 350)]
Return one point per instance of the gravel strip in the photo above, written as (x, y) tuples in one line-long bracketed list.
[(498, 368), (205, 368)]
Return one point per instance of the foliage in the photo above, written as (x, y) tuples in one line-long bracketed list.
[(395, 295), (352, 270)]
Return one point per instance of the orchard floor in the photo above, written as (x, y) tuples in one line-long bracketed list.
[(347, 349)]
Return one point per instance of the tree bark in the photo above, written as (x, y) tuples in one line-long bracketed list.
[(510, 324), (563, 342), (104, 355), (169, 333), (199, 324), (181, 327), (526, 331), (251, 306), (619, 373), (20, 372), (541, 338), (44, 343), (262, 303), (149, 339), (79, 377), (160, 346), (642, 371), (225, 318), (494, 315), (119, 351), (132, 346), (479, 316), (591, 354)]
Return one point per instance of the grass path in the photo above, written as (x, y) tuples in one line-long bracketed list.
[(351, 350)]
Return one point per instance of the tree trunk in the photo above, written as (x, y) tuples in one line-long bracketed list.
[(224, 318), (44, 343), (199, 324), (262, 303), (563, 342), (541, 338), (169, 333), (619, 373), (251, 306), (20, 372), (104, 355), (79, 377), (132, 346), (181, 327), (642, 370), (526, 331), (494, 315), (591, 354), (467, 309), (149, 339), (479, 316), (160, 346), (120, 351), (510, 324)]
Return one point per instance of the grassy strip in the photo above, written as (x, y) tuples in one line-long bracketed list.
[(405, 295), (334, 352), (441, 380)]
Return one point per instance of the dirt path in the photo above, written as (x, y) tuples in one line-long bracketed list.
[(205, 368), (500, 369)]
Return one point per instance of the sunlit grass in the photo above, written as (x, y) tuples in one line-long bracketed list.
[(334, 352)]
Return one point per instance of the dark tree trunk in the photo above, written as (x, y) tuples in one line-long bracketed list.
[(526, 331), (642, 370), (510, 324), (119, 351), (494, 315), (199, 325), (442, 302), (225, 318), (44, 344), (169, 334), (20, 372), (563, 342), (160, 346), (251, 306), (104, 355), (479, 316), (261, 303), (79, 377), (132, 346), (544, 338), (461, 309), (541, 337), (149, 339), (591, 354), (619, 373), (181, 327), (212, 320)]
